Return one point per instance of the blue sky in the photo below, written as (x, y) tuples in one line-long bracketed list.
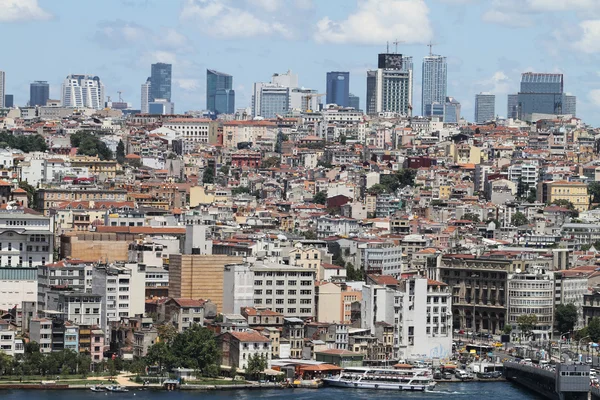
[(489, 43)]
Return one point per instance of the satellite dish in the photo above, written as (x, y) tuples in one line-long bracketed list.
[(518, 270)]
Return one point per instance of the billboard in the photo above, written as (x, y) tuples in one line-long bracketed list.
[(390, 61)]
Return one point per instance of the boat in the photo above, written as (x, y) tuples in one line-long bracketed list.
[(97, 388), (117, 389), (417, 379)]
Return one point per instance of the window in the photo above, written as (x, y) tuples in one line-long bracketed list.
[(291, 311), (258, 283)]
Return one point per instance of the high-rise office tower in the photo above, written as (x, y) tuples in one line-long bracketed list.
[(390, 86), (281, 95), (2, 88), (512, 106), (354, 101), (485, 107), (160, 78), (543, 93), (83, 91), (145, 99), (220, 96), (452, 111), (570, 106), (338, 88), (435, 83), (9, 101), (39, 93)]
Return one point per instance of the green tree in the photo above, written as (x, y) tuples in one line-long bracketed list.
[(353, 274), (271, 162), (532, 195), (26, 143), (527, 323), (166, 332), (256, 365), (343, 139), (208, 176), (594, 191), (567, 204), (320, 198), (160, 354), (89, 144), (593, 329), (224, 169), (120, 152), (6, 362), (471, 217), (309, 235), (565, 316), (507, 329), (240, 190), (196, 348), (519, 219), (377, 188), (31, 193)]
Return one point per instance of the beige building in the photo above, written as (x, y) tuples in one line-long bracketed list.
[(309, 258), (197, 276), (235, 132), (575, 192), (334, 302)]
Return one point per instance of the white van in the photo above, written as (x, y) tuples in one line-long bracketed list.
[(461, 374)]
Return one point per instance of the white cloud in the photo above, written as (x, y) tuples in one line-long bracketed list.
[(22, 10), (161, 56), (304, 4), (589, 42), (267, 5), (224, 19), (562, 5), (172, 39), (378, 21), (594, 97), (187, 84), (497, 84), (120, 33), (507, 17)]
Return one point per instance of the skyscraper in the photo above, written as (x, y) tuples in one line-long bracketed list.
[(354, 101), (512, 106), (39, 93), (452, 111), (390, 86), (2, 88), (435, 82), (570, 106), (160, 78), (485, 107), (83, 91), (220, 96), (145, 100), (543, 93), (9, 100), (279, 96), (338, 88)]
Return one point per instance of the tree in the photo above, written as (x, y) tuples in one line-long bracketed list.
[(519, 219), (89, 144), (343, 139), (353, 274), (309, 235), (471, 217), (532, 195), (507, 329), (593, 329), (527, 323), (166, 332), (240, 190), (257, 363), (208, 176), (320, 198), (271, 162), (160, 354), (26, 143), (377, 189), (224, 170), (120, 152), (565, 316), (31, 193), (594, 191), (567, 204), (196, 348)]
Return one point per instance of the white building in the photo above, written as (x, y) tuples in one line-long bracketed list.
[(40, 331), (569, 288), (238, 288), (381, 255), (145, 100), (122, 287), (9, 343), (528, 174), (83, 91), (193, 129), (332, 226)]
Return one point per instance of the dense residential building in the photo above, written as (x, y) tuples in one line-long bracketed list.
[(220, 96)]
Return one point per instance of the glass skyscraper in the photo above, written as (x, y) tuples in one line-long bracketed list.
[(338, 88), (485, 107), (452, 111), (512, 106), (435, 82), (543, 94), (39, 93), (354, 101), (160, 81), (390, 86), (220, 96)]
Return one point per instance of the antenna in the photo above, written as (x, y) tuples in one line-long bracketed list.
[(387, 47), (430, 45), (397, 42)]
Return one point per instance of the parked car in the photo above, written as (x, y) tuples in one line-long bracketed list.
[(447, 375)]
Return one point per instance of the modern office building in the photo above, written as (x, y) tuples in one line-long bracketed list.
[(452, 111), (83, 91), (39, 93), (160, 78), (354, 101), (220, 96), (9, 100), (145, 100), (390, 86), (338, 88), (543, 93), (512, 106), (161, 107), (2, 88), (435, 83), (485, 107)]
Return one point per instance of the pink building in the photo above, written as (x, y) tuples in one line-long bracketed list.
[(97, 345)]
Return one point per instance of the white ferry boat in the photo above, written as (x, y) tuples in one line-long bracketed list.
[(417, 379)]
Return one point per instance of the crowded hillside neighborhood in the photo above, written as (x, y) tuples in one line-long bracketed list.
[(248, 240)]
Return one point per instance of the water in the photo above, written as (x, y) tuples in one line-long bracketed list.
[(462, 391)]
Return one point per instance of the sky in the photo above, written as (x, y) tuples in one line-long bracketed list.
[(488, 44)]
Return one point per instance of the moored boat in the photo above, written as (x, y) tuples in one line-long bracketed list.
[(416, 379), (97, 388)]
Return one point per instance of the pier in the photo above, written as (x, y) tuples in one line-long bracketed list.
[(566, 382)]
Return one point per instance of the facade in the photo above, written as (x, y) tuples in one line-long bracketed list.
[(354, 101), (485, 107), (543, 93), (575, 192), (390, 86), (10, 344), (270, 100), (9, 101), (161, 107), (160, 82), (145, 98), (452, 111), (512, 106), (338, 88), (532, 292), (80, 91), (193, 129), (122, 287), (39, 93), (238, 347), (220, 96), (570, 106), (527, 174), (435, 83)]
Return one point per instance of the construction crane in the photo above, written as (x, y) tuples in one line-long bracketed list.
[(430, 45), (120, 98), (307, 100)]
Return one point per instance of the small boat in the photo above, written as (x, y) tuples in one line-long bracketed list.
[(117, 389), (98, 388)]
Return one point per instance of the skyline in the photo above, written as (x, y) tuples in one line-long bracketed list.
[(121, 39)]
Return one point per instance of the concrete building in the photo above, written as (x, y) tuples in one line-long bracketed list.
[(575, 192), (452, 111), (199, 130), (390, 86), (122, 287), (379, 255), (220, 96), (238, 347), (80, 91), (435, 83), (338, 88), (10, 344), (40, 331), (146, 96)]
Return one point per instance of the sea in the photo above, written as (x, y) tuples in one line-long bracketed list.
[(462, 391)]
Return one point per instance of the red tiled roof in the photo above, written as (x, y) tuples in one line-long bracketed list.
[(249, 337)]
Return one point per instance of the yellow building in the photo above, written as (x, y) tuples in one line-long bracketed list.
[(445, 192), (464, 153), (96, 166), (309, 258), (575, 192)]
